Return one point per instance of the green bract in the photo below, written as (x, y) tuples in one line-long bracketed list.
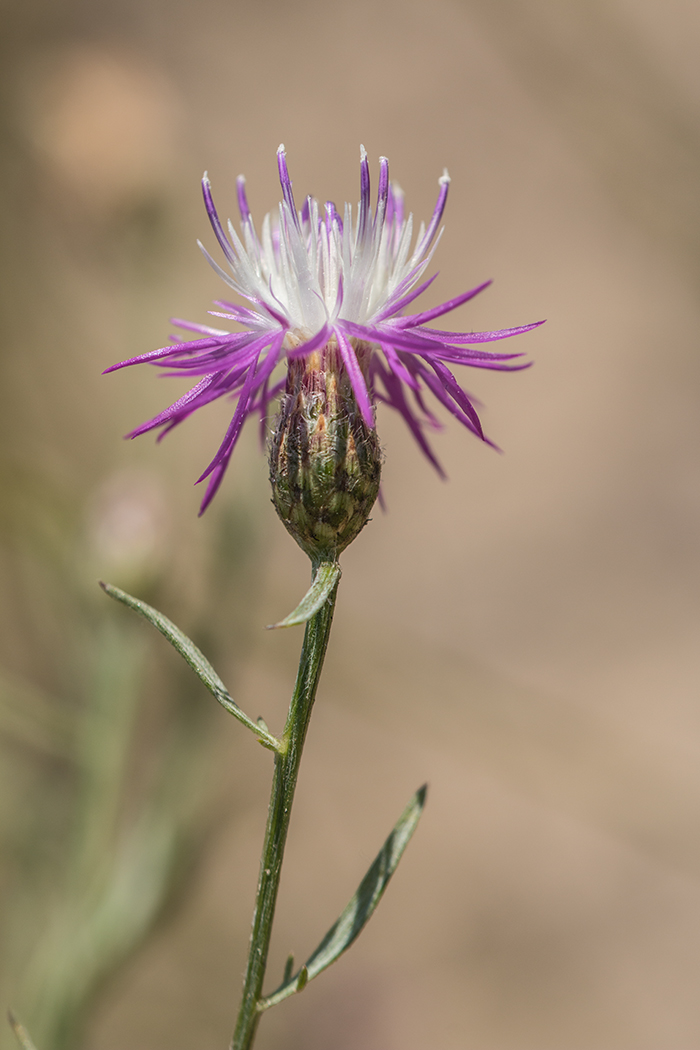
[(325, 461)]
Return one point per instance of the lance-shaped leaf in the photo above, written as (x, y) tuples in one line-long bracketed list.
[(325, 579), (197, 661), (356, 915), (20, 1032)]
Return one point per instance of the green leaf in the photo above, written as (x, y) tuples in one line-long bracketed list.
[(357, 914), (288, 968), (302, 979), (20, 1031), (197, 661), (325, 579)]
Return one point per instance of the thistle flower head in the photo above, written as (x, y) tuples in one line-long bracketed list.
[(314, 280)]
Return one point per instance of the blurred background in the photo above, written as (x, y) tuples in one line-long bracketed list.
[(523, 637)]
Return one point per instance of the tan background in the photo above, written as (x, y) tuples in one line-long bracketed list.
[(524, 637)]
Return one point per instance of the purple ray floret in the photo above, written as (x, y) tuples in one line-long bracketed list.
[(312, 277)]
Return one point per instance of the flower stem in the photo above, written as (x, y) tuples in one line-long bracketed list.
[(283, 786)]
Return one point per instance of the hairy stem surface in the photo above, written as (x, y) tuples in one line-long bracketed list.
[(283, 786)]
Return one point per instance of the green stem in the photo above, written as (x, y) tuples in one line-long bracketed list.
[(283, 785)]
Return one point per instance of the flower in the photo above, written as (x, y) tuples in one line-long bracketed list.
[(314, 278)]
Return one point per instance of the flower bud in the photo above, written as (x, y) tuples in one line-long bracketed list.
[(325, 461)]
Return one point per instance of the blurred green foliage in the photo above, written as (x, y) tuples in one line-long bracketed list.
[(105, 743)]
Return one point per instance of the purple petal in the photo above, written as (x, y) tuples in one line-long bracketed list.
[(176, 409), (263, 407), (395, 207), (226, 316), (333, 216), (311, 344), (382, 194), (281, 318), (396, 399), (254, 379), (242, 312), (225, 357), (359, 385), (365, 207), (437, 389), (276, 390), (214, 482), (435, 384), (431, 418), (398, 367), (444, 308), (234, 427), (492, 362), (164, 351), (205, 329), (216, 223), (444, 182), (242, 199), (286, 184), (479, 337), (415, 343), (393, 306), (457, 394)]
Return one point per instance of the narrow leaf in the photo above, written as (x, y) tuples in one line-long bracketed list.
[(357, 914), (325, 579), (197, 661), (302, 979), (20, 1032)]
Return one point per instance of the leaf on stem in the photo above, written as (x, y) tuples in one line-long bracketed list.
[(325, 579), (197, 661), (302, 979), (20, 1032), (357, 913)]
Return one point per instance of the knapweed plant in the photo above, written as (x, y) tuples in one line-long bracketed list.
[(323, 334)]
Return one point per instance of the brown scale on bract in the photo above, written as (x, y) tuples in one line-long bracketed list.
[(325, 462)]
